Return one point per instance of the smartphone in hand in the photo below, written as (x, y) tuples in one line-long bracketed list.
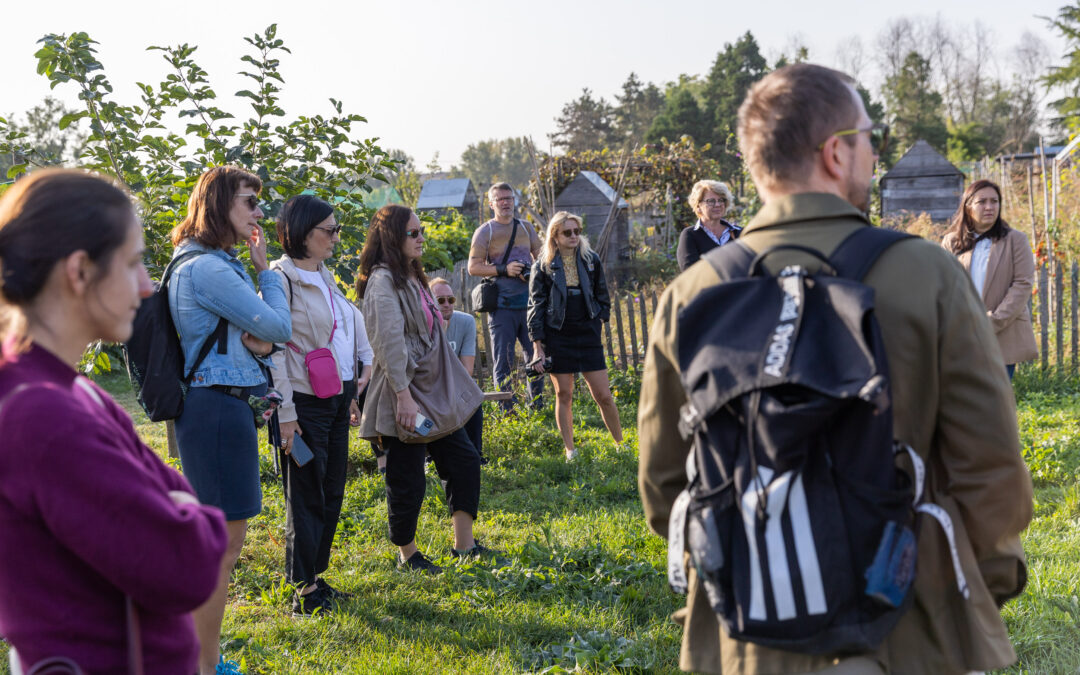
[(423, 425), (300, 452)]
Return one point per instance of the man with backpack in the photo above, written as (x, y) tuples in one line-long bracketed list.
[(920, 351)]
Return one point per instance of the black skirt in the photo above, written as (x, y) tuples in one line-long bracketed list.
[(576, 347)]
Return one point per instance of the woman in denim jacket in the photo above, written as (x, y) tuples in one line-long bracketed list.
[(216, 433), (568, 302)]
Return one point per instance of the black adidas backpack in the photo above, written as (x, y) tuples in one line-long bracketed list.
[(796, 516), (154, 357)]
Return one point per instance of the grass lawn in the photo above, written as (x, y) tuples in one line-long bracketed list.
[(584, 588)]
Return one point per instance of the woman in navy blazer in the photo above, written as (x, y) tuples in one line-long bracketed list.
[(710, 200)]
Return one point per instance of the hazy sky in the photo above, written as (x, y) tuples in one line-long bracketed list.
[(436, 76)]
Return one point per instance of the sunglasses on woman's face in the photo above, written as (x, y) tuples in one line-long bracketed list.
[(330, 230), (575, 232), (446, 299), (413, 234), (251, 199)]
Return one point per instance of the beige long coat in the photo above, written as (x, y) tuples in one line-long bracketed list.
[(952, 403), (1010, 274), (399, 336)]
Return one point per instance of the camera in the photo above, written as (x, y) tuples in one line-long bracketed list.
[(525, 272), (528, 371)]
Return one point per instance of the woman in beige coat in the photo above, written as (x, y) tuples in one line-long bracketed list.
[(322, 318), (1001, 265), (404, 325)]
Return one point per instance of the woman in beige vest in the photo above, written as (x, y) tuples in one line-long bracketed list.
[(1001, 265)]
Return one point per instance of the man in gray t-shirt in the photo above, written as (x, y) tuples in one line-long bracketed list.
[(507, 323), (460, 331)]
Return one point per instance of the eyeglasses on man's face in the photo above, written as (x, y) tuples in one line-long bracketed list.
[(446, 299), (330, 230), (879, 136), (251, 198), (504, 200), (714, 202), (413, 234)]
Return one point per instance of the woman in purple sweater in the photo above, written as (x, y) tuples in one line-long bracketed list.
[(89, 516)]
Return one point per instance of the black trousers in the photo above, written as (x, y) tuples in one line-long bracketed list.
[(457, 463), (314, 492), (475, 429)]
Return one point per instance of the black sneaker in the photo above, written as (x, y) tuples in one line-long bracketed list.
[(331, 592), (419, 563), (478, 550), (314, 603)]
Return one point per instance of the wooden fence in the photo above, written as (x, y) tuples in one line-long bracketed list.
[(626, 334)]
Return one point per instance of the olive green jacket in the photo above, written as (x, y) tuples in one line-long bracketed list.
[(952, 403)]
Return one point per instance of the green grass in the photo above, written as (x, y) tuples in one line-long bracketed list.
[(584, 585)]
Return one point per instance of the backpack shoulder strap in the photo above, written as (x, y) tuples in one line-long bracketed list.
[(175, 262), (731, 261), (513, 235), (218, 337), (858, 252)]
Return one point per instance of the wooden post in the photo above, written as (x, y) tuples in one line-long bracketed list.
[(607, 332), (170, 437), (653, 293), (619, 328), (1059, 314), (1031, 209), (1044, 327), (644, 321), (487, 349), (1073, 310), (633, 332)]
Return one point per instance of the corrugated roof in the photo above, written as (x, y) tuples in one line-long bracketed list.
[(922, 160), (445, 193)]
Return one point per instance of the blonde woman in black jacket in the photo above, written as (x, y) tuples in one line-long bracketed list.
[(568, 303)]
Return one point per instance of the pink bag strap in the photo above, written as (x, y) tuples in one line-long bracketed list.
[(333, 313)]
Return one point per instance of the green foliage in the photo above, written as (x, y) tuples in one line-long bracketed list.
[(496, 160), (736, 68), (446, 239), (652, 169), (49, 136), (584, 124), (136, 142), (914, 106), (1066, 78), (638, 104)]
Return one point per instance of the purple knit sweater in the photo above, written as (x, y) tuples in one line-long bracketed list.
[(85, 519)]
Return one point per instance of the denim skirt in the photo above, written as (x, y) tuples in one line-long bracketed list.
[(219, 450)]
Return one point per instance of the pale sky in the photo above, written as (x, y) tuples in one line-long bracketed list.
[(436, 76)]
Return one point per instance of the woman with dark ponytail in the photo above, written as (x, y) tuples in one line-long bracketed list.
[(1001, 265), (100, 539)]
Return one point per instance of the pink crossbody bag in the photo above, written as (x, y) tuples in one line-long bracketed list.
[(322, 369)]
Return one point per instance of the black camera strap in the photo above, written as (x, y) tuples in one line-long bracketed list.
[(510, 246)]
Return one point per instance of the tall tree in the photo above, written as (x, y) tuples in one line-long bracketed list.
[(638, 105), (1065, 78), (494, 160), (915, 108), (736, 67), (586, 123), (682, 116), (41, 139)]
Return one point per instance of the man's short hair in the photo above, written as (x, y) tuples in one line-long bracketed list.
[(495, 189), (788, 113), (436, 281)]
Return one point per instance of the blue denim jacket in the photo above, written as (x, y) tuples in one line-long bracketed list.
[(207, 287)]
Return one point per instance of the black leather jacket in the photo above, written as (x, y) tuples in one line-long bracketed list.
[(547, 293)]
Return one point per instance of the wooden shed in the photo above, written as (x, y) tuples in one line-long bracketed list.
[(922, 181), (590, 197), (440, 195)]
